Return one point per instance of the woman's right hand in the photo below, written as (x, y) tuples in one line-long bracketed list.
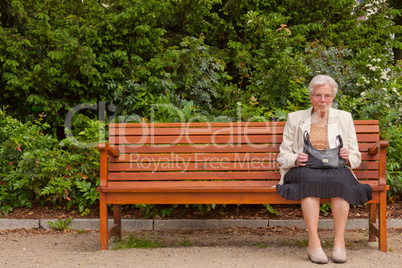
[(301, 160)]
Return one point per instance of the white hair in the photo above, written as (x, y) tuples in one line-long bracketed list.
[(321, 80)]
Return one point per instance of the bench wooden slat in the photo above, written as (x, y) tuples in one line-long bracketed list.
[(363, 147), (202, 148), (193, 131), (368, 137), (366, 157), (196, 157), (366, 125), (368, 165), (229, 148), (367, 129), (365, 122), (268, 130), (357, 123), (155, 132), (214, 186), (205, 166), (205, 124), (211, 175), (223, 139), (202, 157), (197, 186), (205, 148), (207, 198), (366, 174), (228, 166)]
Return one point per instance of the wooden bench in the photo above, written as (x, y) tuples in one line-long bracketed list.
[(215, 163)]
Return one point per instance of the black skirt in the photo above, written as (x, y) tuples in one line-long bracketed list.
[(302, 182)]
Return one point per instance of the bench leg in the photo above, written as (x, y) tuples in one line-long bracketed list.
[(117, 219), (103, 222), (372, 220), (383, 221)]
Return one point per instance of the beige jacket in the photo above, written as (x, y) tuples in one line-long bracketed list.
[(339, 122)]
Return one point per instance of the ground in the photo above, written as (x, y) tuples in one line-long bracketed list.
[(232, 247)]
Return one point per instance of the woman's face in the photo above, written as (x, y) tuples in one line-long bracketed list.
[(322, 98)]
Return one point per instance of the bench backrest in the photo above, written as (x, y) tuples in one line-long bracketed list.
[(214, 151)]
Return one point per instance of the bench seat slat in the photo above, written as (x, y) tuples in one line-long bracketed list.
[(199, 186), (193, 186)]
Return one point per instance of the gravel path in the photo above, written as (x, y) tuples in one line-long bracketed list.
[(233, 247)]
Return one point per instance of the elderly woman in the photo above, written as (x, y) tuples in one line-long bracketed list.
[(322, 124)]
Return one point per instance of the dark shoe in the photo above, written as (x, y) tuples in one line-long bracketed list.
[(317, 256), (339, 255)]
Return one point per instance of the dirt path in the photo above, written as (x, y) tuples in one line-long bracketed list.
[(235, 247)]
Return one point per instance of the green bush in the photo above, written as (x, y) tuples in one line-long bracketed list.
[(394, 162), (55, 55), (182, 73), (37, 169)]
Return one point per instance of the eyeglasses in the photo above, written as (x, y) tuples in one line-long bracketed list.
[(319, 96)]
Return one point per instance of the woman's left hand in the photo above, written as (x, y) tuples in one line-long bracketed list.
[(344, 153)]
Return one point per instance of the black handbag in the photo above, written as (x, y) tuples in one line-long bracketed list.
[(324, 159)]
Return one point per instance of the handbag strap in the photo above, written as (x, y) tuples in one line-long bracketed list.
[(338, 137), (306, 136)]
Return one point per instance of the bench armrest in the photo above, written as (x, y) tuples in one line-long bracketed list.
[(380, 147), (109, 150), (105, 150)]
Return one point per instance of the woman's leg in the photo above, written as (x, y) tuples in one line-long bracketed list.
[(311, 213), (340, 211)]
